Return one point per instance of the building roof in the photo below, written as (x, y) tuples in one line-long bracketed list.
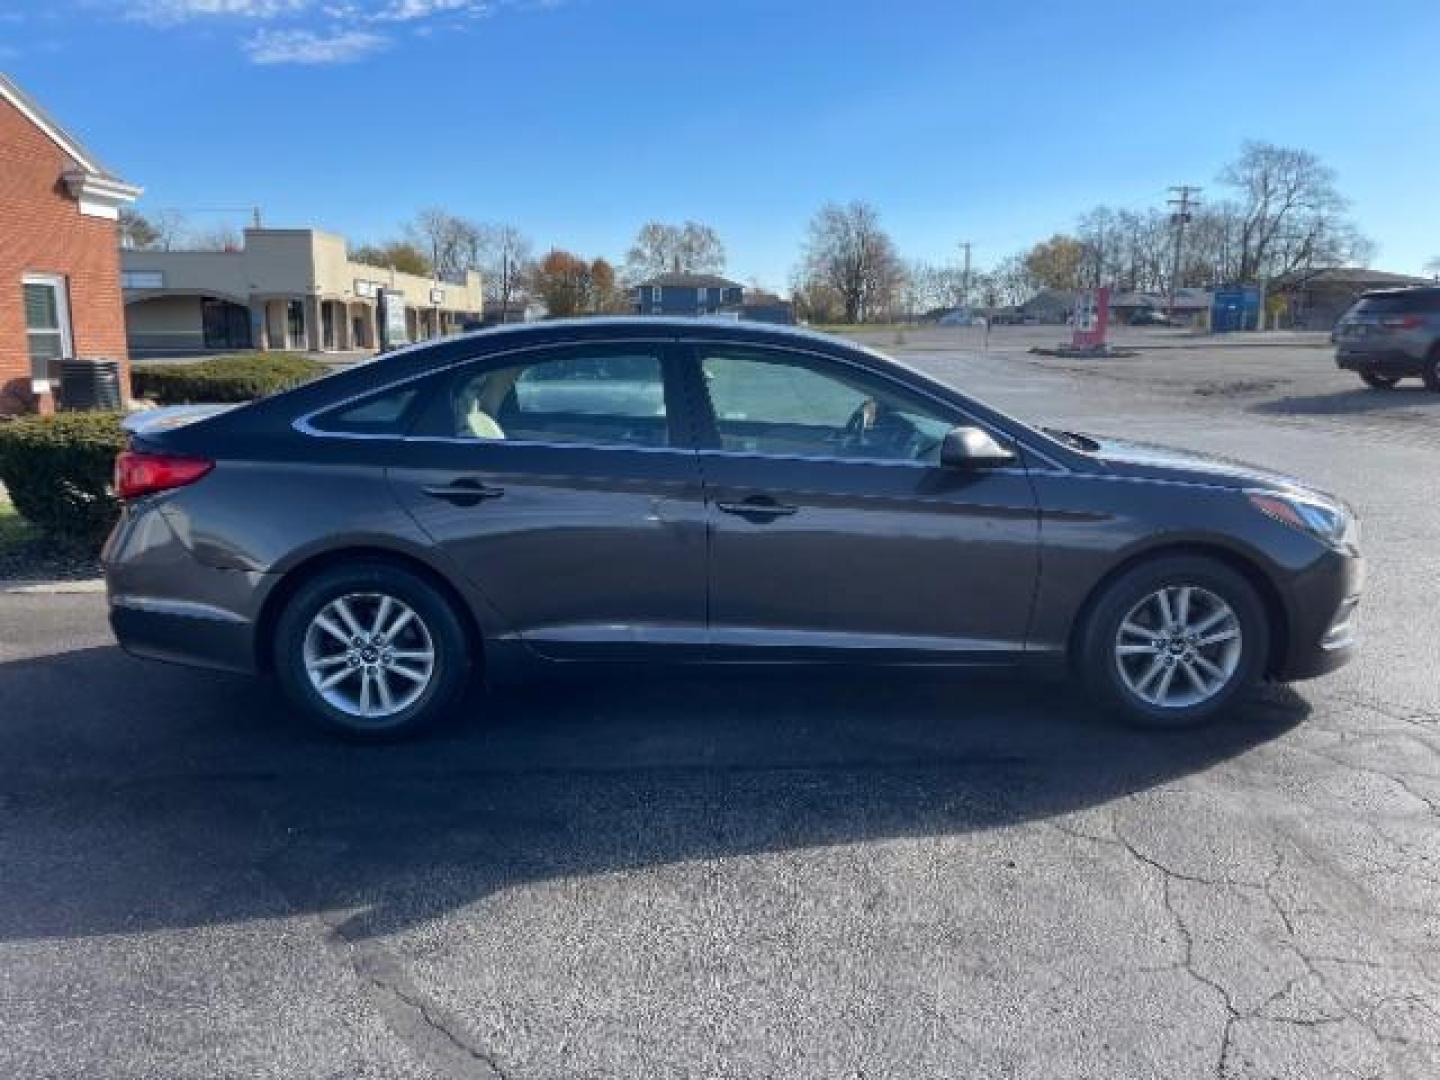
[(690, 281), (31, 110), (1352, 276), (1186, 299)]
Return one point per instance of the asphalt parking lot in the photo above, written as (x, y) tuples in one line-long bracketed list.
[(753, 875)]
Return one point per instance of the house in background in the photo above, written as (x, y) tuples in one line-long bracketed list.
[(766, 307), (1191, 305), (59, 254), (284, 290), (691, 295), (1315, 299)]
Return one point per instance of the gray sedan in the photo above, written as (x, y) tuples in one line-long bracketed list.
[(697, 492)]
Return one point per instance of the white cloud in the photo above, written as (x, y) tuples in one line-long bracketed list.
[(409, 10), (309, 47), (319, 31), (173, 11)]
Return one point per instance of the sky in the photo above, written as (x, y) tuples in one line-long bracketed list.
[(579, 120)]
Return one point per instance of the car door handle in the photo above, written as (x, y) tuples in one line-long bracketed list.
[(757, 507), (463, 492)]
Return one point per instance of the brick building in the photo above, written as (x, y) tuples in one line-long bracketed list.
[(59, 253)]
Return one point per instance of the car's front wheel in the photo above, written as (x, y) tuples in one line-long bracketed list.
[(1376, 381), (1174, 641), (371, 651)]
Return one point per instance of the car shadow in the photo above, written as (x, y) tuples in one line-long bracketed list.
[(139, 797), (1361, 400)]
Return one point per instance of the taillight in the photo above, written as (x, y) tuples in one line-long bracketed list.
[(1401, 322), (138, 473)]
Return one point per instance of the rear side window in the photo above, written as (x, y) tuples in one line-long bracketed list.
[(386, 413), (596, 397), (1418, 302)]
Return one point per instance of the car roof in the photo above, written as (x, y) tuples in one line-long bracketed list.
[(1413, 290), (679, 326)]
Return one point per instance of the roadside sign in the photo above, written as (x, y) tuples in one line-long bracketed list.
[(393, 331), (1092, 316), (1235, 307)]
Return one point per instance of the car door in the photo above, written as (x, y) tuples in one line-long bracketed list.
[(556, 480), (833, 524)]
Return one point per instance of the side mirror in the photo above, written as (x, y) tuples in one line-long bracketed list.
[(973, 448)]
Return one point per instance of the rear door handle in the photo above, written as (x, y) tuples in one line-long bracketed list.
[(757, 506), (464, 492)]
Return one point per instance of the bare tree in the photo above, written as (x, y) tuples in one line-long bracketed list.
[(849, 252), (502, 253), (136, 231), (1009, 284), (447, 240), (171, 229), (691, 248), (1292, 215), (215, 238)]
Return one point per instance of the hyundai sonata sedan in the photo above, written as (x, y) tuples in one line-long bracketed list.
[(702, 492)]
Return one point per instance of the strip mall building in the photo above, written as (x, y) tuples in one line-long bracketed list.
[(284, 289)]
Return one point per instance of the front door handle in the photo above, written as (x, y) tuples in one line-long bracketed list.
[(757, 506), (464, 492)]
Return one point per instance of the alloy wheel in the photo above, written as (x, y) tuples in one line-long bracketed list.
[(1178, 647), (369, 655)]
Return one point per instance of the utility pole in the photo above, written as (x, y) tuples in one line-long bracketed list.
[(504, 285), (965, 281), (1185, 199)]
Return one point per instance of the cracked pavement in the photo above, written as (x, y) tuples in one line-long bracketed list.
[(760, 875)]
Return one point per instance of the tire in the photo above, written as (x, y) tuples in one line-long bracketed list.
[(1379, 382), (1432, 370), (1131, 600), (419, 690)]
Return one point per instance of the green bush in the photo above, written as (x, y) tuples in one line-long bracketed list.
[(58, 472), (223, 378)]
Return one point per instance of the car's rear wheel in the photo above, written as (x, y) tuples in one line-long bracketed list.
[(371, 651), (1173, 642), (1432, 370), (1376, 381)]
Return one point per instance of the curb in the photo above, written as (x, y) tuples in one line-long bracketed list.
[(81, 587)]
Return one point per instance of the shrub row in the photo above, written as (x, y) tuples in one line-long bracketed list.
[(58, 472), (223, 378)]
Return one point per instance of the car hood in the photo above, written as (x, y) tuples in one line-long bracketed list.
[(1154, 462)]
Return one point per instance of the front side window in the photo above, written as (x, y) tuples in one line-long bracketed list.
[(787, 405), (604, 398), (47, 322)]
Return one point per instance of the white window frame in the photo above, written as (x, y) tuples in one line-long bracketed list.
[(657, 292), (142, 279), (62, 312)]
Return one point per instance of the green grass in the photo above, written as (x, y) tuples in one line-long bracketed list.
[(15, 531)]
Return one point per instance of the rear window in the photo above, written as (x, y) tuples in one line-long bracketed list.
[(386, 413), (1399, 303)]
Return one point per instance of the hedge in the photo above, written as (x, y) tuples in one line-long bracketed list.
[(58, 471), (223, 378)]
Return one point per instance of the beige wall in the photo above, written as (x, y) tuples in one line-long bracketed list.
[(166, 322), (292, 262)]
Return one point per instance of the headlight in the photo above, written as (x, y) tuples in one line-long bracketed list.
[(1329, 522)]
